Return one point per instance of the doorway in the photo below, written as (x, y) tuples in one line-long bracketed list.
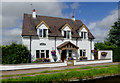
[(63, 55)]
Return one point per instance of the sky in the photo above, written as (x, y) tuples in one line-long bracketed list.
[(97, 16)]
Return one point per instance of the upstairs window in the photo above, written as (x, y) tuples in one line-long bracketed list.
[(43, 32), (67, 34), (83, 35)]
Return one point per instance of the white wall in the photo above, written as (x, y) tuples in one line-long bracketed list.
[(91, 62), (109, 54)]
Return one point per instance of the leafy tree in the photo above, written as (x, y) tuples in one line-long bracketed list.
[(15, 54), (114, 34), (104, 45)]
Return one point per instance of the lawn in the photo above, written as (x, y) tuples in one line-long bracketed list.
[(67, 74)]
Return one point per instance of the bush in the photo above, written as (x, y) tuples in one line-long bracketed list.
[(116, 54), (15, 54)]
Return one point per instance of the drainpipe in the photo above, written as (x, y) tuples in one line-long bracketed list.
[(91, 48), (30, 48), (76, 41), (76, 45), (55, 43)]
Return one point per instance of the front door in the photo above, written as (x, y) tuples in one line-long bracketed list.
[(63, 55)]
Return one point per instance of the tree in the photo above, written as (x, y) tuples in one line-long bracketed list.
[(15, 54), (114, 34)]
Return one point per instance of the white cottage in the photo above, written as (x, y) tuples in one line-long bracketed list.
[(68, 37)]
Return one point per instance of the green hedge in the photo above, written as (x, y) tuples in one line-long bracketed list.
[(116, 54), (15, 54)]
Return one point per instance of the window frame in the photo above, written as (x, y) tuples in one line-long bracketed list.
[(83, 51), (83, 34), (43, 32), (67, 34)]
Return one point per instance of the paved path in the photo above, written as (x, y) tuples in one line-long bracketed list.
[(13, 72)]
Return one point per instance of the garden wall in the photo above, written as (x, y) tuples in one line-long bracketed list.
[(108, 56), (30, 66), (91, 62)]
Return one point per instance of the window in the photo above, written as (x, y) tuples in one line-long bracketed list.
[(64, 34), (47, 53), (83, 35), (70, 53), (37, 53), (67, 34), (40, 32), (82, 52), (43, 32), (42, 54)]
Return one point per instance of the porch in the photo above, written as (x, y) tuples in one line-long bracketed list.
[(68, 51)]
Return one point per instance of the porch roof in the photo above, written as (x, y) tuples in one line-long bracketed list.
[(67, 45)]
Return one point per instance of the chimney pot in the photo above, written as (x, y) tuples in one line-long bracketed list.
[(34, 14), (73, 18)]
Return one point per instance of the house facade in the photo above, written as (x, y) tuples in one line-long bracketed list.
[(67, 37)]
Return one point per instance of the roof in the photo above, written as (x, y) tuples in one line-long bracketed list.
[(54, 23), (66, 43)]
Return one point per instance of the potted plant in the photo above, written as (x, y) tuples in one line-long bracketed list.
[(104, 54), (84, 58), (81, 58)]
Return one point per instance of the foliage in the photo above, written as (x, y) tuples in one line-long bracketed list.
[(53, 52), (114, 34), (15, 54), (116, 54), (39, 60), (104, 46)]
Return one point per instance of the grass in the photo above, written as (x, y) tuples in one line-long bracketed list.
[(65, 76), (65, 70)]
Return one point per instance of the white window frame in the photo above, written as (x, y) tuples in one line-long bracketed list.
[(67, 33), (43, 33), (44, 53), (83, 50), (83, 34)]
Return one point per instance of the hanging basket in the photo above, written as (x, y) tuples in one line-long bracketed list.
[(104, 54)]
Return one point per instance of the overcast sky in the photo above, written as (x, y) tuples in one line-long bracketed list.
[(98, 17)]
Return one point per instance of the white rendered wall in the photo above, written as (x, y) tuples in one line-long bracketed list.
[(91, 62)]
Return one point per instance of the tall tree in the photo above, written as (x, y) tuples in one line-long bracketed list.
[(114, 34)]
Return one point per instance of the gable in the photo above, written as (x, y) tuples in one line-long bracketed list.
[(42, 25), (84, 28), (66, 27)]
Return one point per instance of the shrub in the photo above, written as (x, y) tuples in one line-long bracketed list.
[(15, 54)]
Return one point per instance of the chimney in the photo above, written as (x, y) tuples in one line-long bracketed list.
[(34, 14), (73, 18)]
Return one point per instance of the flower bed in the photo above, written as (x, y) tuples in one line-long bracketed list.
[(41, 60), (104, 54), (70, 58), (83, 58)]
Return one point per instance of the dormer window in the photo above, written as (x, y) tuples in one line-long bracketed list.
[(43, 32), (83, 35), (67, 34)]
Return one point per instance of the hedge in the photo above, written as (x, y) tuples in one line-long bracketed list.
[(116, 54), (15, 54)]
